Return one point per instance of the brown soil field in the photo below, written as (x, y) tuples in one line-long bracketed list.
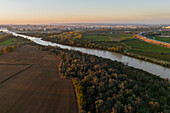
[(30, 83), (14, 70)]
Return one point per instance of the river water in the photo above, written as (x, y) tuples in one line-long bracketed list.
[(144, 65)]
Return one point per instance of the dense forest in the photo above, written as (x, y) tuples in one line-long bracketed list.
[(106, 86)]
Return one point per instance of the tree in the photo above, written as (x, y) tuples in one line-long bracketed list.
[(99, 106), (119, 107), (8, 49), (1, 52)]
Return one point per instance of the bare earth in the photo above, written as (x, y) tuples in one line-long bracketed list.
[(30, 83)]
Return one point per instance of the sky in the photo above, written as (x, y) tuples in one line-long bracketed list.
[(84, 11)]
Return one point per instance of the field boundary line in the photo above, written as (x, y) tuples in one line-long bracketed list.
[(13, 64), (8, 78)]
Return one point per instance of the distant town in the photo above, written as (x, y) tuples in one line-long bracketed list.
[(81, 27)]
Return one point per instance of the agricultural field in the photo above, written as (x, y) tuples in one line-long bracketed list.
[(96, 37), (146, 47), (121, 36), (10, 41), (135, 46), (160, 36), (30, 82), (108, 37), (163, 39), (7, 40), (159, 56), (149, 50), (108, 40), (110, 44)]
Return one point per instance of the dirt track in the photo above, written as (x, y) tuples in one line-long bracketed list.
[(31, 84)]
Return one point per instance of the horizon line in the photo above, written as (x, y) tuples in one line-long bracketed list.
[(91, 23)]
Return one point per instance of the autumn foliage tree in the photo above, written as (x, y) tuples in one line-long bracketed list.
[(106, 86)]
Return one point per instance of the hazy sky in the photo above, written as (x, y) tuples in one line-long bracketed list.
[(84, 11)]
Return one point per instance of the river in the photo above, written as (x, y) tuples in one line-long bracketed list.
[(158, 70)]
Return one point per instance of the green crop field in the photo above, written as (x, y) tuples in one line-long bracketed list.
[(103, 40), (121, 36), (149, 50), (100, 37), (110, 44), (160, 56), (8, 42), (96, 37), (163, 39), (137, 46), (146, 47)]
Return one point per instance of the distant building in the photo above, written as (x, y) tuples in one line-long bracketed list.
[(168, 27)]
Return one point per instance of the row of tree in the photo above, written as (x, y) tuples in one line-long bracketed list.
[(80, 96)]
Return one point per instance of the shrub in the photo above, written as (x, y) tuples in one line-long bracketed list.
[(8, 49), (14, 47), (1, 52)]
